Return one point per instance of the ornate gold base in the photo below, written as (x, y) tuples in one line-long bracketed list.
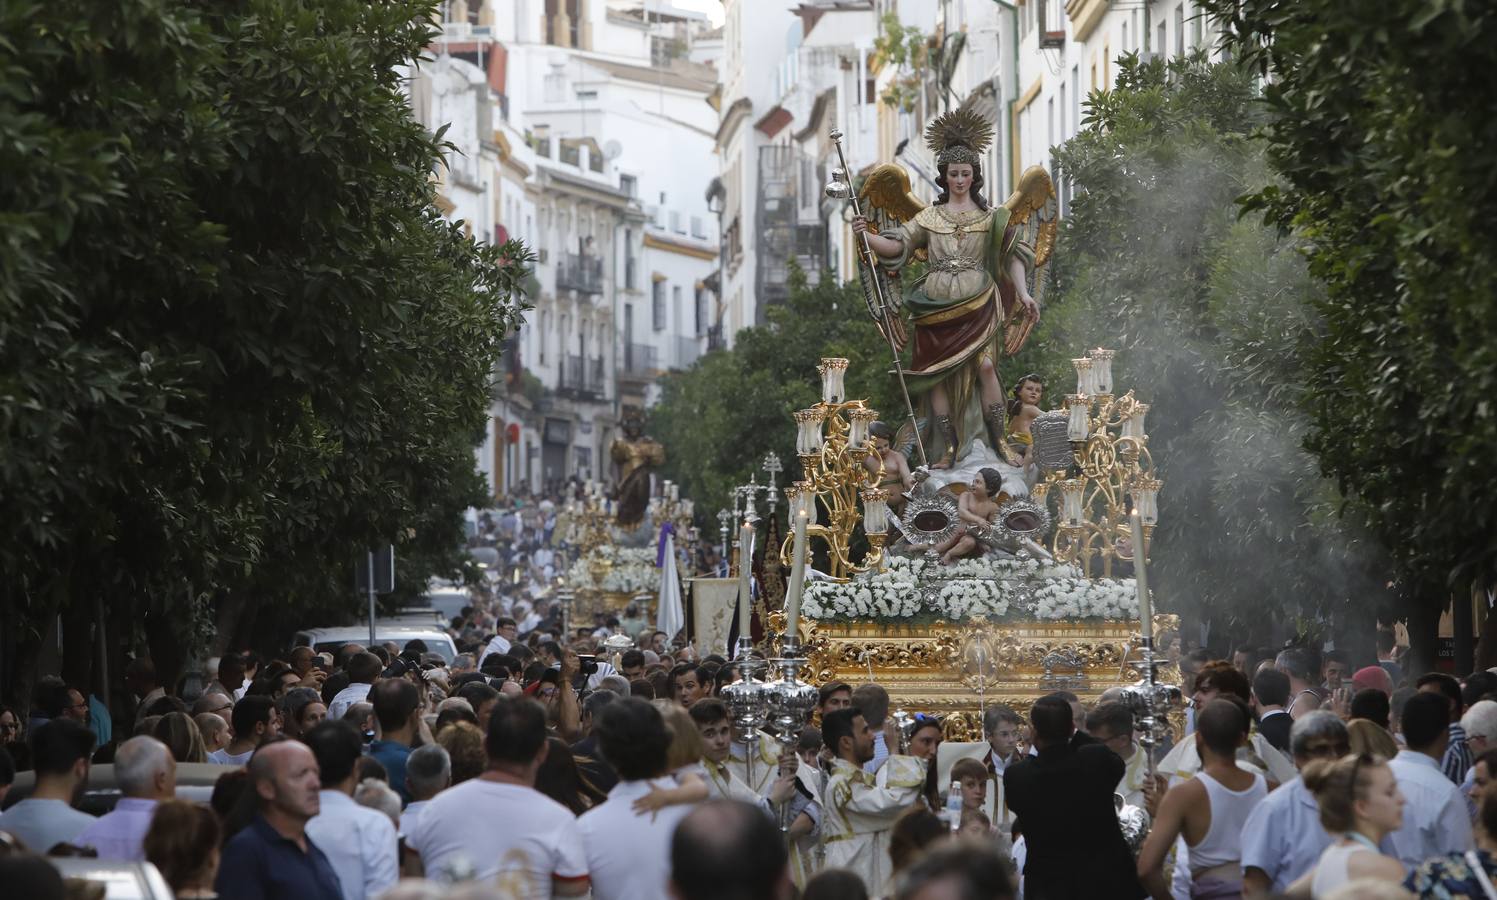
[(957, 670)]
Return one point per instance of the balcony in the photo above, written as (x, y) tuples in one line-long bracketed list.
[(640, 361), (582, 378), (580, 273), (687, 351)]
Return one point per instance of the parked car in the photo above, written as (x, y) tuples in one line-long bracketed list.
[(101, 792), (134, 880), (401, 632)]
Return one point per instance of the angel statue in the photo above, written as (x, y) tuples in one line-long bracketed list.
[(973, 303)]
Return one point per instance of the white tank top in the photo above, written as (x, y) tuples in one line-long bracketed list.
[(1330, 872), (1229, 812)]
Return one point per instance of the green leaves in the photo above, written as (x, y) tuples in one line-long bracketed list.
[(1388, 160), (1212, 315), (239, 343)]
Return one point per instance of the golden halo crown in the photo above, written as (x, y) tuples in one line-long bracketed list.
[(959, 136)]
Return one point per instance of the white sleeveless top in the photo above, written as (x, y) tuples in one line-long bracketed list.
[(1229, 812), (1330, 872)]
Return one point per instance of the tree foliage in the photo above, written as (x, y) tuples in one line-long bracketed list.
[(721, 417), (1211, 318), (240, 343), (1386, 153)]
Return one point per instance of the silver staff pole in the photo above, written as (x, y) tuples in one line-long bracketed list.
[(879, 305)]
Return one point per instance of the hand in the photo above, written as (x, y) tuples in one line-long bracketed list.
[(891, 735), (652, 802), (1153, 793), (859, 224), (783, 790), (313, 680), (1031, 307), (789, 762), (920, 474), (570, 664)]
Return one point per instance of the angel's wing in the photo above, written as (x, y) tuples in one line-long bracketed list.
[(1035, 194), (887, 189), (1034, 211)]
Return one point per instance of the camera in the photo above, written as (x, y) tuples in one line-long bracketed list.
[(587, 664)]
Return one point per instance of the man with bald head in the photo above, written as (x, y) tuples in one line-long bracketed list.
[(272, 856), (146, 774), (729, 842)]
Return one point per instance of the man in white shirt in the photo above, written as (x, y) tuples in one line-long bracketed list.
[(360, 842), (498, 827), (1283, 838), (628, 852), (146, 774), (1435, 820), (61, 748), (507, 631), (363, 670)]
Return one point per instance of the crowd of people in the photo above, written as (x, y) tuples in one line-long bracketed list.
[(537, 764)]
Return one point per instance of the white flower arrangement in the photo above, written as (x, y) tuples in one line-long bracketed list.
[(1087, 598), (631, 570), (973, 589)]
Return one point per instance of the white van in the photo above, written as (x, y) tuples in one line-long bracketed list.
[(332, 640)]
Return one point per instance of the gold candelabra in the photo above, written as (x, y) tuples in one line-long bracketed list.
[(832, 441), (1112, 465)]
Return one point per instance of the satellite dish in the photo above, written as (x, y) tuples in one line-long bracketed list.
[(611, 150)]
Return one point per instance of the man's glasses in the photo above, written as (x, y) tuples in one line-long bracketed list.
[(1327, 748)]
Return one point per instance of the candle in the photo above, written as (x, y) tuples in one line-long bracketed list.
[(802, 505), (675, 490), (832, 371), (1102, 370), (1141, 576), (1078, 426), (745, 576)]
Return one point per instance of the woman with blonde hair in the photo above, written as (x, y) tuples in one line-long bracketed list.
[(1360, 803), (683, 761), (1367, 737), (180, 734)]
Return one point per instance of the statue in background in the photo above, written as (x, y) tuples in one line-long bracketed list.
[(972, 305), (636, 455)]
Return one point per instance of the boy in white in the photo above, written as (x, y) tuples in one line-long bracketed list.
[(497, 827)]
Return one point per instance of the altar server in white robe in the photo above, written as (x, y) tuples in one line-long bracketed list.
[(861, 809)]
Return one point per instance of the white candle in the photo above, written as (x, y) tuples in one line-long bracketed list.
[(1141, 576), (801, 506), (745, 576)]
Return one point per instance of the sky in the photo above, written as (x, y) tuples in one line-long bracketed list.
[(713, 8)]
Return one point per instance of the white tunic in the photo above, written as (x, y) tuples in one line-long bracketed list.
[(861, 811)]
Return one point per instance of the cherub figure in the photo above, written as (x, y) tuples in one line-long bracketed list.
[(897, 478), (1023, 409), (975, 510)]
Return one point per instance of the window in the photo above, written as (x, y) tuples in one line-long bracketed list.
[(1125, 37), (697, 230), (1064, 110), (676, 308), (1075, 109), (657, 306), (629, 185), (587, 95), (676, 222), (1180, 30), (1161, 41), (701, 311), (555, 85)]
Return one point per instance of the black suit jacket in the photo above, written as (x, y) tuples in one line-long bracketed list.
[(1063, 801), (1275, 729)]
